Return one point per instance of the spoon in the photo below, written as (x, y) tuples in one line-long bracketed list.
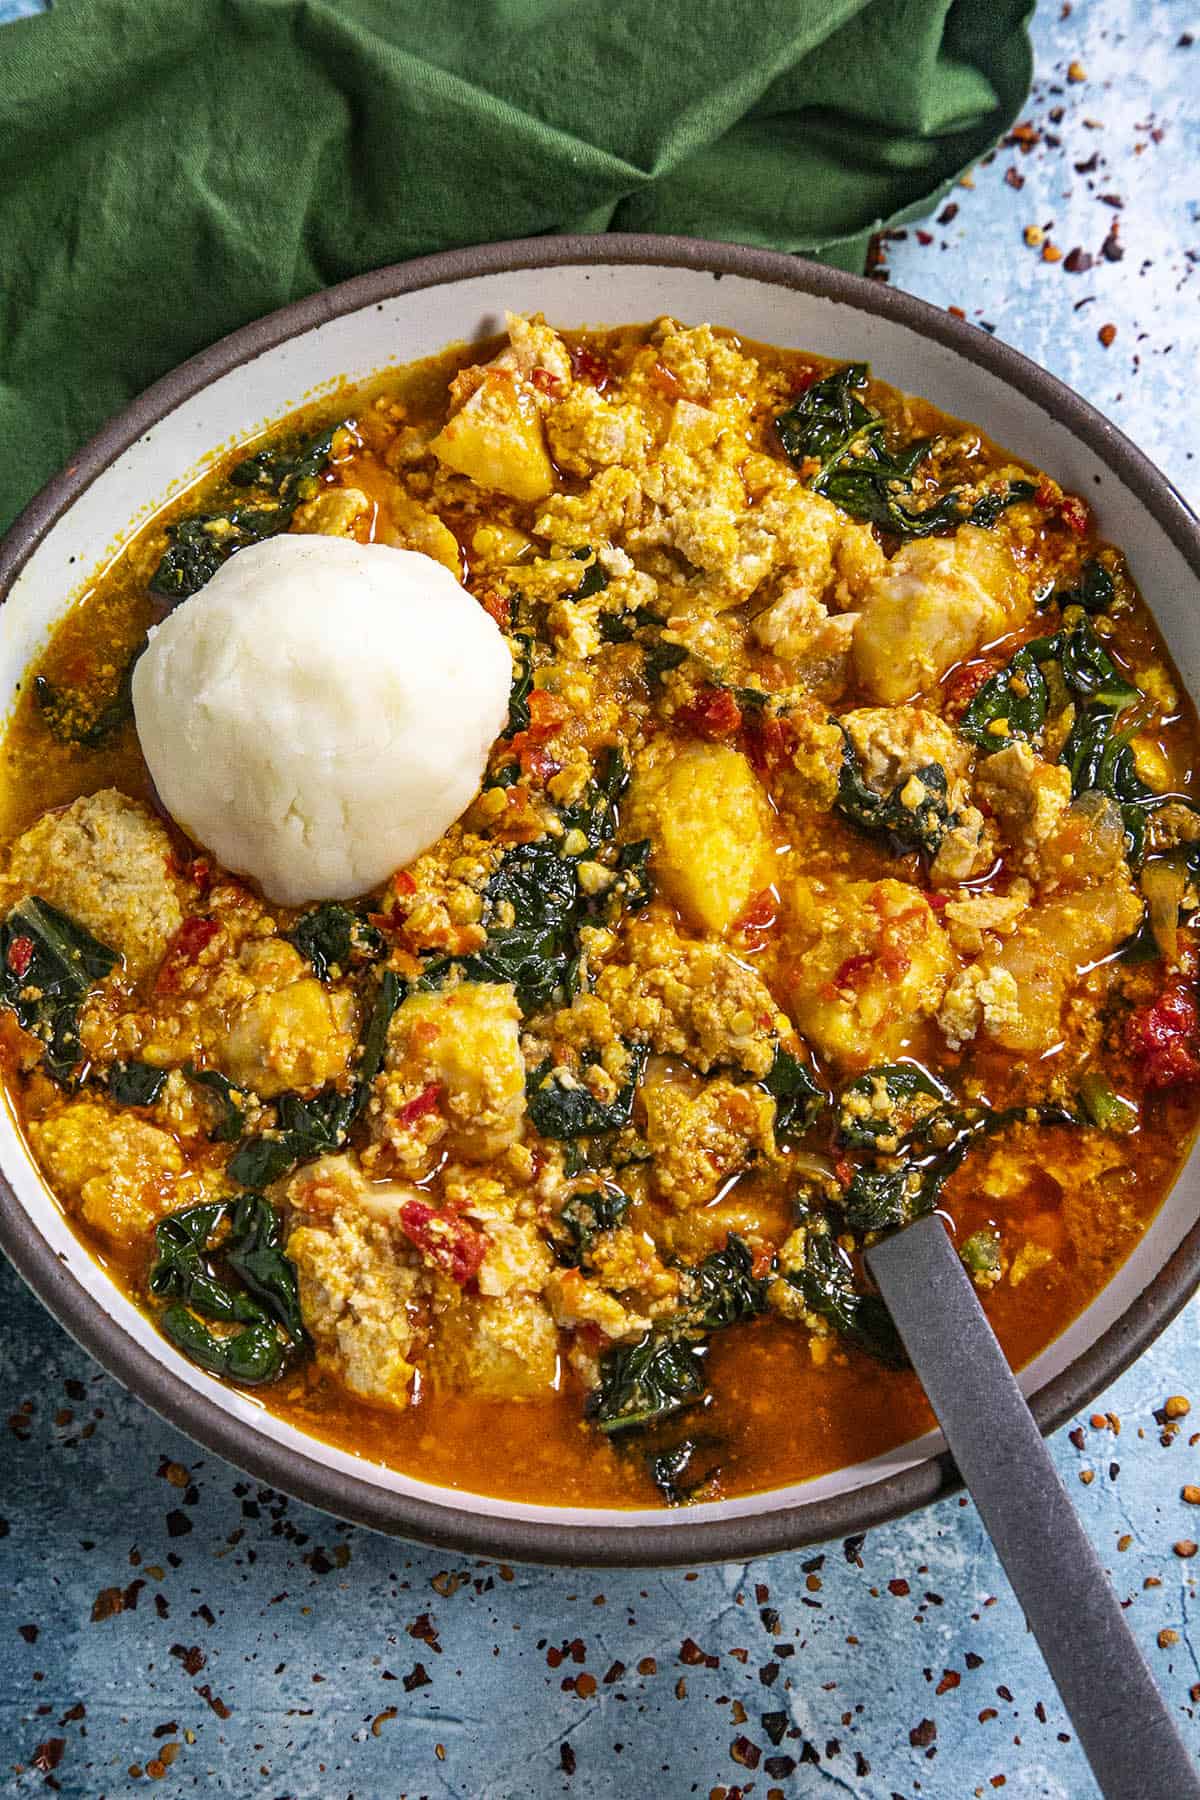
[(1120, 1717)]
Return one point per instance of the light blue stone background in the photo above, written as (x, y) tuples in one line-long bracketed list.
[(265, 1638)]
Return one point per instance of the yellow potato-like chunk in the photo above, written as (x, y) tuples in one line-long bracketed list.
[(1050, 945), (465, 1043), (419, 529), (710, 824), (121, 1170), (938, 600), (504, 1348), (496, 439), (863, 963), (359, 1292), (298, 1036)]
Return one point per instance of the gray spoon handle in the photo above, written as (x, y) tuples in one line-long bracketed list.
[(1122, 1721)]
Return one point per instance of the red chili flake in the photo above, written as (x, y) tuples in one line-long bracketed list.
[(586, 366), (453, 1246), (192, 1657), (184, 948), (1078, 261), (1047, 495), (1106, 334), (1014, 178), (1075, 514), (899, 1587), (497, 607), (1161, 1038), (713, 714), (769, 741), (417, 1677), (20, 955), (922, 1735), (545, 382), (214, 1700), (425, 1102), (924, 238), (47, 1756), (950, 1680), (566, 1757), (802, 380), (744, 1751)]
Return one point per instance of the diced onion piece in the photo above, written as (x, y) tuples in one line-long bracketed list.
[(1162, 883)]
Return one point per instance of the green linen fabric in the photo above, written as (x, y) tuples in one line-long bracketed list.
[(170, 169)]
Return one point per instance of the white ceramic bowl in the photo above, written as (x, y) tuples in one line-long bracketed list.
[(231, 392)]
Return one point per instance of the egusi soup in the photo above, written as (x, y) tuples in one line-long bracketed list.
[(837, 861)]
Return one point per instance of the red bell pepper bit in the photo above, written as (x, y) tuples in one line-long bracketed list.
[(185, 948), (445, 1240), (713, 714), (20, 955), (1161, 1038), (425, 1102)]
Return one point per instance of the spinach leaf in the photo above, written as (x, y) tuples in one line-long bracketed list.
[(246, 1236), (82, 717), (1090, 672), (1016, 694), (798, 1099), (585, 1217), (255, 1252), (135, 1083), (826, 1286), (877, 1108), (1096, 590), (595, 580), (595, 812), (522, 683), (921, 827), (198, 545), (680, 1471), (723, 1290), (562, 1106), (831, 425), (538, 890), (304, 1129), (634, 886), (643, 1382), (877, 1198), (390, 993), (251, 1356), (47, 964), (231, 1117), (331, 936)]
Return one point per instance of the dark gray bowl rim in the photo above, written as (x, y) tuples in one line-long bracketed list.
[(454, 1524)]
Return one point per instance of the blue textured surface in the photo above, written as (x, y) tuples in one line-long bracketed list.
[(158, 1605)]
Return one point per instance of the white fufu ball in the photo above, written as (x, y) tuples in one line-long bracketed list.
[(321, 711)]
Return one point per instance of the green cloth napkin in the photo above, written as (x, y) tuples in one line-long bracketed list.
[(175, 168)]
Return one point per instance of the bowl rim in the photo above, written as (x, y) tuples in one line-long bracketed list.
[(452, 1523)]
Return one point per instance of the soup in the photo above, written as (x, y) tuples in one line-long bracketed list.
[(837, 862)]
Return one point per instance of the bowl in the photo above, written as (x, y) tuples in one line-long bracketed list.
[(258, 375)]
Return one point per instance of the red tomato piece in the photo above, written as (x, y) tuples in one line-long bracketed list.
[(1161, 1038), (444, 1239), (1075, 514), (545, 382), (713, 714), (425, 1102), (497, 607)]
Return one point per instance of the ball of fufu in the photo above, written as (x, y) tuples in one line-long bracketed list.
[(321, 711)]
